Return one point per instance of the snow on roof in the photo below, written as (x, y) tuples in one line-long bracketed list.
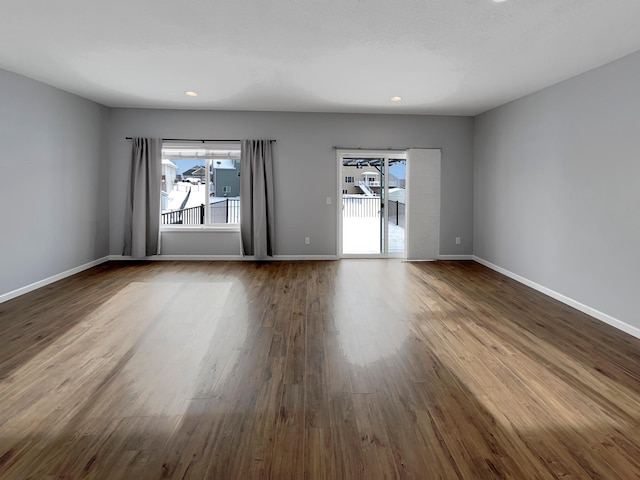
[(398, 195), (223, 165), (168, 162)]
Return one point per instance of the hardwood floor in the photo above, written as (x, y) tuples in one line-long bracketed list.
[(352, 369)]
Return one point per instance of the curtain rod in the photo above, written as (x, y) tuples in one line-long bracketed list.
[(196, 140), (390, 149)]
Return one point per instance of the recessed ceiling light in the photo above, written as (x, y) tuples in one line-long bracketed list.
[(499, 1), (191, 94), (395, 99)]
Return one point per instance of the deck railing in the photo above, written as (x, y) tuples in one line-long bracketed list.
[(228, 211), (363, 206), (397, 213), (222, 211), (225, 211), (360, 206)]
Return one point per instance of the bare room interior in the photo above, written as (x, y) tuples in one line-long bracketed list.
[(320, 240)]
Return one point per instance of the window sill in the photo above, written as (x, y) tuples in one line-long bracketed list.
[(202, 228)]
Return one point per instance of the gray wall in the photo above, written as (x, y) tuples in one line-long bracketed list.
[(54, 181), (305, 169), (557, 188)]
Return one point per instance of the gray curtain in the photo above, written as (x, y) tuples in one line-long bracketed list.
[(142, 220), (256, 198)]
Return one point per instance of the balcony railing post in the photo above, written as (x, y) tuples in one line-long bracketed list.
[(202, 214), (397, 210), (227, 207)]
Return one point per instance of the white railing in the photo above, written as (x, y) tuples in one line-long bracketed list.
[(377, 183), (361, 206)]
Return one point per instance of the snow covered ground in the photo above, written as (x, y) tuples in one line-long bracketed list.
[(361, 235), (179, 192), (197, 197)]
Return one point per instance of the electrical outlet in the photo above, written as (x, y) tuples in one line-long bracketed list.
[(457, 240), (328, 200), (307, 240)]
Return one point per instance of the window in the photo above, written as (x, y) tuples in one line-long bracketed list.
[(200, 184), (348, 179)]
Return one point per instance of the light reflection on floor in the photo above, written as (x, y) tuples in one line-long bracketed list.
[(144, 351)]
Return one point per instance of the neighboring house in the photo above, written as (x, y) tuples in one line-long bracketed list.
[(226, 178), (196, 174), (169, 176), (352, 176)]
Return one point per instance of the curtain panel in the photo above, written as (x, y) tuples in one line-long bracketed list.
[(142, 220), (256, 198)]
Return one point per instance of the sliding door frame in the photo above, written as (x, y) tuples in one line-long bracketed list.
[(373, 153)]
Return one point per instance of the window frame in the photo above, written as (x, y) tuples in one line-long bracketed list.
[(199, 145)]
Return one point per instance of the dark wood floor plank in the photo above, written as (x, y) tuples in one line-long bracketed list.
[(319, 461), (289, 448), (377, 456), (315, 382)]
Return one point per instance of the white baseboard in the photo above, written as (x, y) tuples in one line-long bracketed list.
[(597, 314), (443, 257), (305, 257), (275, 258), (162, 258), (54, 278), (455, 257)]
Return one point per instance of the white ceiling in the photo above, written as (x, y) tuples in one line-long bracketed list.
[(459, 57)]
